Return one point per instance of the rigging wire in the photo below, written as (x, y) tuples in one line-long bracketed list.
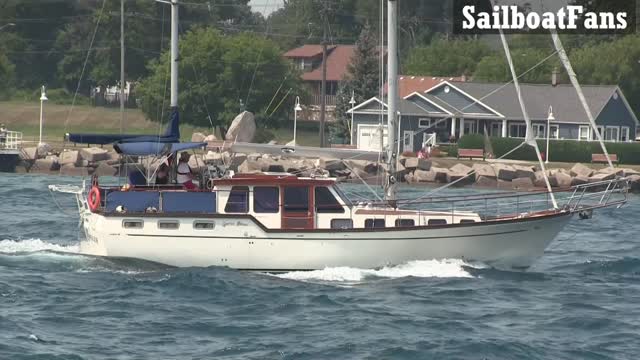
[(84, 66), (255, 71)]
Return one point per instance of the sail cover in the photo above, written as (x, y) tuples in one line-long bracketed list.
[(171, 135), (154, 148)]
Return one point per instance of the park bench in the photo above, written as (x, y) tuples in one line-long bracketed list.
[(471, 153), (602, 158)]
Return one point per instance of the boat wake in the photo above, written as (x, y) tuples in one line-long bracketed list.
[(34, 246), (451, 268)]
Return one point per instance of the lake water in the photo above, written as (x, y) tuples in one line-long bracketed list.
[(580, 301)]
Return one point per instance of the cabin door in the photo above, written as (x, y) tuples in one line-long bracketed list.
[(297, 209)]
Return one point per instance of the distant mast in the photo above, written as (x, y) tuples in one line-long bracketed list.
[(174, 54), (392, 81)]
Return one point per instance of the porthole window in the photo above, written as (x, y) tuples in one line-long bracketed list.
[(132, 224), (374, 223), (168, 225), (405, 223), (342, 224), (467, 221), (435, 222), (204, 225)]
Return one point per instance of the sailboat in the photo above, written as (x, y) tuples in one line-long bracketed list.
[(283, 222)]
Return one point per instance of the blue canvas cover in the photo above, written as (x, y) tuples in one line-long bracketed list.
[(132, 201), (189, 202), (154, 148), (171, 135)]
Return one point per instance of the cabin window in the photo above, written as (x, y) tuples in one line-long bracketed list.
[(266, 200), (433, 222), (326, 202), (467, 221), (405, 223), (204, 225), (296, 199), (238, 201), (374, 223), (168, 225), (132, 224), (342, 224)]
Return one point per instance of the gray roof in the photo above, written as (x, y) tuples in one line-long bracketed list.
[(563, 98)]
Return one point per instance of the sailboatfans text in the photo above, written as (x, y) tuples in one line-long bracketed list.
[(512, 18)]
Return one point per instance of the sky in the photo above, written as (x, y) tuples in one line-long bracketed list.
[(266, 7)]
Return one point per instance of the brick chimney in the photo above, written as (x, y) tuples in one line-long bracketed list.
[(554, 77)]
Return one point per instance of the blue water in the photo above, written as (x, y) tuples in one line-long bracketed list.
[(581, 301)]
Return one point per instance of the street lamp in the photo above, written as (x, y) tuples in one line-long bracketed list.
[(43, 98), (549, 119), (295, 118), (352, 102), (5, 25)]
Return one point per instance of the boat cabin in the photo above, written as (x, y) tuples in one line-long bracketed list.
[(275, 201)]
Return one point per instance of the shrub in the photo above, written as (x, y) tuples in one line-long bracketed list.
[(263, 136), (471, 141)]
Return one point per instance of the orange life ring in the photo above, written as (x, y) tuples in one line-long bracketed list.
[(94, 198)]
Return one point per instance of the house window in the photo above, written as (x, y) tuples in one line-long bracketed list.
[(555, 132), (296, 199), (600, 131), (612, 133), (583, 133), (405, 223), (539, 131), (374, 223), (238, 201), (424, 123), (518, 130), (470, 127), (342, 224), (266, 200), (624, 134), (326, 202)]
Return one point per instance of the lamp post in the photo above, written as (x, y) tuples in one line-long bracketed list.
[(295, 119), (549, 119), (352, 102), (6, 25), (43, 98)]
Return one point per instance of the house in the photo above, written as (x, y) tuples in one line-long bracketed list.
[(309, 59), (453, 109)]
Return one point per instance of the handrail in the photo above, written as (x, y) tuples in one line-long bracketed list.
[(10, 140)]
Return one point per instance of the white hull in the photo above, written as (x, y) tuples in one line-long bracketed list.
[(242, 244)]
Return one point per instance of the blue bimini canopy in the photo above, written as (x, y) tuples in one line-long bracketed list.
[(154, 148), (171, 135)]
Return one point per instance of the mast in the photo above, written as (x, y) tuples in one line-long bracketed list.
[(392, 99), (121, 66), (174, 54)]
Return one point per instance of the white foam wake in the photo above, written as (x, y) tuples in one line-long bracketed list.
[(33, 246), (452, 268)]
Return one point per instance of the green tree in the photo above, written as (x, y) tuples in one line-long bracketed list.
[(446, 58), (362, 79), (217, 73), (494, 68), (7, 70)]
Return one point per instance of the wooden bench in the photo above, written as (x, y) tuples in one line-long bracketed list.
[(602, 158), (471, 153)]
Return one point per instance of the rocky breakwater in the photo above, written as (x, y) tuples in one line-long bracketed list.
[(71, 162)]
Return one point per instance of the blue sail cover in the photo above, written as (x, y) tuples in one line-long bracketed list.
[(154, 148), (171, 135)]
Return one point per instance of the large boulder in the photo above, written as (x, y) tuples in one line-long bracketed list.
[(561, 180), (579, 180), (602, 177), (105, 169), (198, 137), (44, 149), (634, 183), (580, 170), (459, 178), (486, 182), (29, 153), (505, 172), (69, 157), (70, 170), (525, 172), (243, 128), (94, 154), (539, 181), (523, 183), (484, 171), (609, 171), (415, 163), (45, 165), (210, 138), (196, 163), (461, 169), (421, 176)]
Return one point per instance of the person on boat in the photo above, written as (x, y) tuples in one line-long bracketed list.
[(185, 174), (162, 175)]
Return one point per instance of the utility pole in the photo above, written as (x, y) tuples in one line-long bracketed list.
[(323, 88), (122, 83)]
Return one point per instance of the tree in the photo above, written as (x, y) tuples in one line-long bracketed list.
[(362, 79), (7, 70), (217, 74), (446, 58), (494, 68)]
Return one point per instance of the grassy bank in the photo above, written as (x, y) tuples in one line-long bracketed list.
[(59, 120)]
